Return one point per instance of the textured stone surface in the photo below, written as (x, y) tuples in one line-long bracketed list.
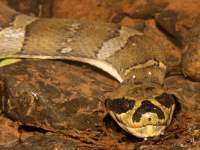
[(49, 96), (9, 134), (42, 8), (46, 141), (178, 17), (191, 60), (107, 10)]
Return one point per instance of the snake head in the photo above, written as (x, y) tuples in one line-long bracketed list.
[(140, 114)]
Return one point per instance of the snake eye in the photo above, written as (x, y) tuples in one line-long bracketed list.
[(120, 105), (166, 100)]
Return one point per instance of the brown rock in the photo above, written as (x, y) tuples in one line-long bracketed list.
[(138, 24), (143, 8), (47, 141), (55, 99), (187, 93), (31, 7), (188, 11), (181, 20), (107, 10), (87, 9), (167, 20), (178, 17), (9, 134), (191, 60)]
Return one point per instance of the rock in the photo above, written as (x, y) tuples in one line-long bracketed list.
[(138, 24), (107, 10), (191, 60), (53, 97), (178, 17), (187, 93), (47, 141), (87, 9), (9, 134), (31, 7), (143, 9), (167, 20), (191, 53), (180, 20)]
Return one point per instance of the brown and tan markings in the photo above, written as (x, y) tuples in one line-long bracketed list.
[(139, 105)]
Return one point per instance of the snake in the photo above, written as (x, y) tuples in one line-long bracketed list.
[(140, 105)]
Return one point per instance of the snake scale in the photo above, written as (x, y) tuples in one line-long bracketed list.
[(140, 104)]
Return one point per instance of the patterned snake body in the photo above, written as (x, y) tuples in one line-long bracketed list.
[(139, 105)]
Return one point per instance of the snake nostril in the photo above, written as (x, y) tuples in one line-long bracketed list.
[(149, 119)]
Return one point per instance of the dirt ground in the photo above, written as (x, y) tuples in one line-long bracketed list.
[(57, 105)]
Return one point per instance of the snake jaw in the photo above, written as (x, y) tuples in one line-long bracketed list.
[(141, 132), (146, 131)]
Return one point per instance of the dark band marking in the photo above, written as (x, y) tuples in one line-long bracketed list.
[(145, 108), (166, 100), (120, 105), (27, 35)]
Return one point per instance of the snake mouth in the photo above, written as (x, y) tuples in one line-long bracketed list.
[(146, 131)]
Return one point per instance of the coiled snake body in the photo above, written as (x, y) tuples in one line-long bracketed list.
[(139, 105)]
